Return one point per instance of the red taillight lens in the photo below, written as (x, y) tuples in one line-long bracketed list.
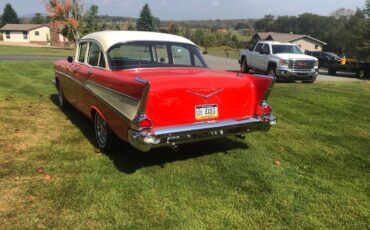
[(145, 123), (267, 109)]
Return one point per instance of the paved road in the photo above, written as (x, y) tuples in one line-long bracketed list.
[(219, 63), (27, 58)]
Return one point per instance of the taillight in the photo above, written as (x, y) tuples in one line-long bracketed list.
[(141, 121), (145, 123), (264, 109), (267, 109)]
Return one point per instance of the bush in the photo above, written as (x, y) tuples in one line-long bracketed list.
[(1, 37)]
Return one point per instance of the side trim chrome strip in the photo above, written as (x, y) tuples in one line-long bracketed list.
[(69, 77), (144, 96), (127, 106), (112, 90), (123, 104)]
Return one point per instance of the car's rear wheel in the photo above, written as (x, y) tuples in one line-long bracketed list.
[(103, 134), (360, 73), (271, 71)]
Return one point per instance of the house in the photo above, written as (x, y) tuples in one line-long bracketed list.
[(32, 33), (304, 42)]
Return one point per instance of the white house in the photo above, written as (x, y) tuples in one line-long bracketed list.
[(29, 33), (304, 42)]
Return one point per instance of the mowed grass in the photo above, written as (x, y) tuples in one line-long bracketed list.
[(35, 51), (219, 51), (322, 142)]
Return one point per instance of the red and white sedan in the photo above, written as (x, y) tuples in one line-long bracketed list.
[(155, 89)]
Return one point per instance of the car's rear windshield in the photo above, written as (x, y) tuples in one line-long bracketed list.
[(291, 49), (154, 54)]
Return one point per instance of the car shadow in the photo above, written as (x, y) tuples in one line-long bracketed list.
[(127, 159)]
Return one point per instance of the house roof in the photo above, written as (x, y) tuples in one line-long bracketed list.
[(21, 27), (284, 37), (109, 38)]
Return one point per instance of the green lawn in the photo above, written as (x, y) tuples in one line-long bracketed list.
[(220, 52), (35, 51), (322, 141)]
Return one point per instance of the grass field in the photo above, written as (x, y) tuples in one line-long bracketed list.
[(35, 51), (220, 52), (52, 176)]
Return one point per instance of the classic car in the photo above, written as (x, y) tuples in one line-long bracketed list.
[(155, 89)]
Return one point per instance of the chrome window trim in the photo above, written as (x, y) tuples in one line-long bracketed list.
[(88, 41)]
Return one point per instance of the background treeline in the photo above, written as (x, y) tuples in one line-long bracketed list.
[(344, 34), (345, 31)]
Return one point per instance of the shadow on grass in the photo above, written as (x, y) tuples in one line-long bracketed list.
[(127, 159)]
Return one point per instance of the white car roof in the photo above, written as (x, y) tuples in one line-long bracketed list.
[(109, 38)]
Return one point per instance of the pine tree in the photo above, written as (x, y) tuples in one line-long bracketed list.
[(38, 19), (146, 22), (9, 15)]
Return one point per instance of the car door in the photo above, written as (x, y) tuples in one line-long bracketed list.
[(260, 57), (264, 58), (255, 55), (93, 68), (70, 89)]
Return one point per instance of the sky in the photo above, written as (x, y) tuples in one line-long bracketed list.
[(199, 9)]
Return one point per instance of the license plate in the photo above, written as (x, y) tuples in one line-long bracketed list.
[(206, 112)]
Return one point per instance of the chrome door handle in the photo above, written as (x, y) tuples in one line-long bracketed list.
[(89, 72)]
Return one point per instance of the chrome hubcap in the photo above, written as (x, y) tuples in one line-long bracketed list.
[(361, 74), (100, 131)]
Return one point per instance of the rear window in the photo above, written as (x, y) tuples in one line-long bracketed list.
[(154, 54)]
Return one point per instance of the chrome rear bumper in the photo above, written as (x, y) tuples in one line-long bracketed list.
[(171, 136)]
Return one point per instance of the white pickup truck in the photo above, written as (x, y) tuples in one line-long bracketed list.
[(283, 60)]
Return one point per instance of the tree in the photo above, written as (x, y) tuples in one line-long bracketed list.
[(89, 23), (66, 15), (198, 36), (173, 28), (146, 22), (209, 40), (38, 19), (131, 26), (9, 15), (342, 12), (265, 24)]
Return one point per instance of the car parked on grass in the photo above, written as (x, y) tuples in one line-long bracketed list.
[(325, 58), (154, 89)]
